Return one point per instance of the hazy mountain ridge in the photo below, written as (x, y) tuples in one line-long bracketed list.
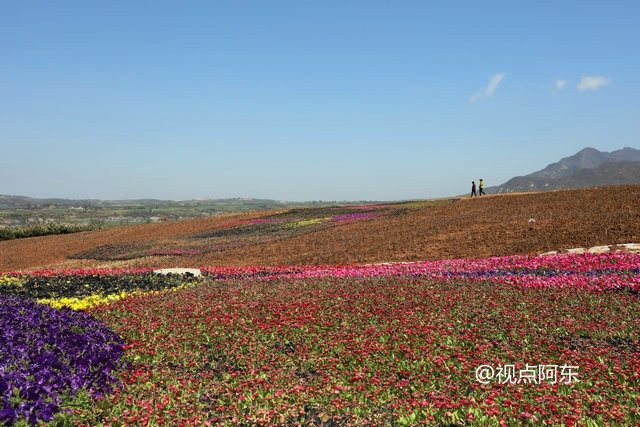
[(7, 201), (588, 167)]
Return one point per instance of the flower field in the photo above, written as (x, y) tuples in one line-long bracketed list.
[(249, 232), (505, 340)]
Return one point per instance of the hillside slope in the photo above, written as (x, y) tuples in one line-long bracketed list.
[(607, 173), (572, 172), (479, 227), (586, 158)]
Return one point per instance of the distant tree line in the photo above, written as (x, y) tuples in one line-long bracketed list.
[(10, 233)]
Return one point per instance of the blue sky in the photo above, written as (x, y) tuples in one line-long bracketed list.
[(307, 100)]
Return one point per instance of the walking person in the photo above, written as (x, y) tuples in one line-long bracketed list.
[(473, 188), (481, 187)]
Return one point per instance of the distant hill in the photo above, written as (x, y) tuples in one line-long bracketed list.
[(588, 167), (24, 211), (239, 203), (22, 202)]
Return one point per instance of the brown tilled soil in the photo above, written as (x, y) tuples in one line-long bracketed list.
[(479, 227)]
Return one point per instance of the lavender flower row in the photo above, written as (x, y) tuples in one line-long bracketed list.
[(355, 216)]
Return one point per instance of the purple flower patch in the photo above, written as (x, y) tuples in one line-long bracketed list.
[(46, 353), (355, 216)]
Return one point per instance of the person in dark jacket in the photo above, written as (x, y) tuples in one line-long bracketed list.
[(473, 188)]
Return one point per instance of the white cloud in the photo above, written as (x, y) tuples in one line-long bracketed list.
[(495, 81), (592, 83), (476, 96), (560, 84)]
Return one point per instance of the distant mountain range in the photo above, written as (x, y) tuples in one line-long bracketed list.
[(588, 167)]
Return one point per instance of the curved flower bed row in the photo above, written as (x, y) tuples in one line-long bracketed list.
[(73, 272), (619, 270), (537, 265), (246, 232), (48, 354), (82, 291)]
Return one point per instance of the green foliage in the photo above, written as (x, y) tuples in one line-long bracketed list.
[(44, 230)]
